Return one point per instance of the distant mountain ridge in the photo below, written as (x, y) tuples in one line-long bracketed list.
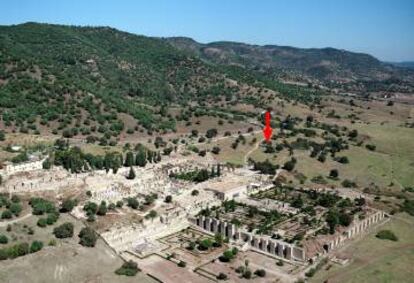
[(406, 64), (324, 64)]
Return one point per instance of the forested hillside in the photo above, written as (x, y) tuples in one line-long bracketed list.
[(329, 66)]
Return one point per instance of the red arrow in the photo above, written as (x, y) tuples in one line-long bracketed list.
[(267, 130)]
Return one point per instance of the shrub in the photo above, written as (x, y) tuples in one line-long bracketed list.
[(64, 231), (102, 209), (247, 274), (128, 268), (41, 206), (36, 246), (227, 256), (260, 272), (132, 203), (334, 173), (6, 214), (15, 208), (310, 272), (182, 264), (386, 235), (348, 183), (222, 276), (67, 205), (87, 237), (279, 263), (91, 208), (42, 222), (3, 239), (216, 150), (52, 218)]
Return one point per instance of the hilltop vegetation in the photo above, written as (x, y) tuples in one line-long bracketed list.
[(349, 71), (101, 85)]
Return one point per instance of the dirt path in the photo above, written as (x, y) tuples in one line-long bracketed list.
[(4, 224), (246, 156)]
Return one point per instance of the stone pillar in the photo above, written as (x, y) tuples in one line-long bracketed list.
[(288, 252), (263, 245), (207, 224), (280, 250), (223, 226), (231, 230), (272, 247), (256, 242), (201, 220), (215, 225)]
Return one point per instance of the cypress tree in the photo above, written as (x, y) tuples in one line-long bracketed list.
[(131, 174), (129, 159), (141, 159)]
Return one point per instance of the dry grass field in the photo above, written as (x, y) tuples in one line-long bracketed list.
[(375, 260)]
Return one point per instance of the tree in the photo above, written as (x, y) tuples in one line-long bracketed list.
[(129, 159), (102, 209), (64, 231), (132, 203), (141, 158), (334, 173), (131, 174), (152, 214), (67, 205), (289, 165), (332, 219), (195, 193), (211, 133), (87, 237), (47, 164), (91, 208), (2, 136), (345, 219), (168, 199), (128, 268), (216, 150)]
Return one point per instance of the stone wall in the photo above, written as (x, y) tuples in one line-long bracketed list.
[(357, 228), (263, 244), (125, 238), (11, 168)]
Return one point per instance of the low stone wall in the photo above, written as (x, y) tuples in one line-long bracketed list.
[(263, 244)]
